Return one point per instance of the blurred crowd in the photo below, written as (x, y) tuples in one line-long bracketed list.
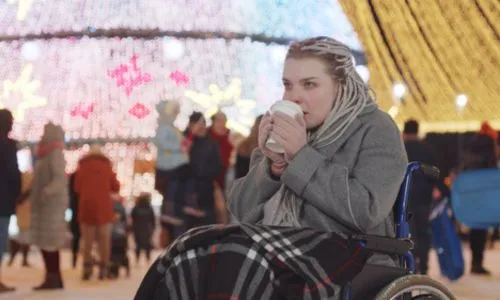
[(191, 171), (191, 175)]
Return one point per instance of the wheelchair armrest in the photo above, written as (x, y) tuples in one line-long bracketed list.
[(384, 244)]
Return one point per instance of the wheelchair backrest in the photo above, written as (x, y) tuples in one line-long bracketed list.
[(475, 198), (400, 210)]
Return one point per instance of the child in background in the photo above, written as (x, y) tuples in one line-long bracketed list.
[(119, 240), (143, 225)]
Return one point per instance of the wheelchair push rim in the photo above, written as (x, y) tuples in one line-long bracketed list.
[(415, 287)]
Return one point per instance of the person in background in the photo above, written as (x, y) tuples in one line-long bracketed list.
[(245, 149), (496, 231), (421, 198), (10, 183), (205, 166), (49, 201), (95, 183), (172, 168), (480, 154), (143, 225), (119, 239), (23, 214), (220, 133), (486, 129), (74, 226)]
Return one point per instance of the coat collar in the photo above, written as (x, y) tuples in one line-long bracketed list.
[(353, 127)]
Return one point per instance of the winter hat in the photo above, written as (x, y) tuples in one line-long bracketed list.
[(487, 130), (52, 133)]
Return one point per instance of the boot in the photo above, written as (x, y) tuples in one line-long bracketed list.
[(479, 270), (74, 260), (14, 249), (25, 250), (103, 271), (5, 289), (53, 281), (87, 271)]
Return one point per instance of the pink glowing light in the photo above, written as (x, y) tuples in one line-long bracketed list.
[(139, 111), (82, 110), (180, 78), (129, 76)]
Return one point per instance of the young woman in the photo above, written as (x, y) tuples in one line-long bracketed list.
[(341, 171), (205, 165), (49, 201)]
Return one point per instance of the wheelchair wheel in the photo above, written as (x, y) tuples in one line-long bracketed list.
[(415, 287)]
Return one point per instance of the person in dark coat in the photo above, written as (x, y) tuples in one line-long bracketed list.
[(74, 226), (421, 198), (205, 167), (480, 154), (219, 133), (10, 182), (143, 225)]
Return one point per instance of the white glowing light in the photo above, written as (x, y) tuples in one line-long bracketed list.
[(461, 101), (399, 90), (173, 49), (30, 51)]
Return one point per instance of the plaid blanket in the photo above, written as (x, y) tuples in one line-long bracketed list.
[(253, 262)]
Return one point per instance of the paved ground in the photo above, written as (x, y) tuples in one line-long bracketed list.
[(467, 288)]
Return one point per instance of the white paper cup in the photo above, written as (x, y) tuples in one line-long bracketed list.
[(287, 107)]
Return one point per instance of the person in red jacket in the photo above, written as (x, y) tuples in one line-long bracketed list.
[(95, 184), (220, 133)]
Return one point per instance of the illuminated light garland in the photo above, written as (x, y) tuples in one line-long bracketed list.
[(27, 88), (295, 19), (448, 48)]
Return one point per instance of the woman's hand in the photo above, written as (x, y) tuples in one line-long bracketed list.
[(289, 132), (278, 162)]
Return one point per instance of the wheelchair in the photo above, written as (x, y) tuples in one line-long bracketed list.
[(396, 283)]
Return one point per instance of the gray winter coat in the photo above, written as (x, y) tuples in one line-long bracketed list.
[(50, 199), (349, 187)]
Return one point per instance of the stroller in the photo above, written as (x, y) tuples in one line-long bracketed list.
[(119, 243)]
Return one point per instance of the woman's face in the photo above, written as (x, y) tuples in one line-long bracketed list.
[(199, 128), (308, 84), (219, 123)]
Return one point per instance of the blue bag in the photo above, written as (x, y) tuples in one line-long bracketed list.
[(446, 242), (476, 198)]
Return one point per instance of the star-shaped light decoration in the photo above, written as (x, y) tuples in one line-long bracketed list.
[(25, 88), (229, 99), (23, 6)]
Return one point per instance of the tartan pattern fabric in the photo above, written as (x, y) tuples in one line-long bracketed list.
[(246, 261)]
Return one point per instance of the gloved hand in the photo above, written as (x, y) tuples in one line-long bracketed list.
[(265, 128), (289, 132)]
